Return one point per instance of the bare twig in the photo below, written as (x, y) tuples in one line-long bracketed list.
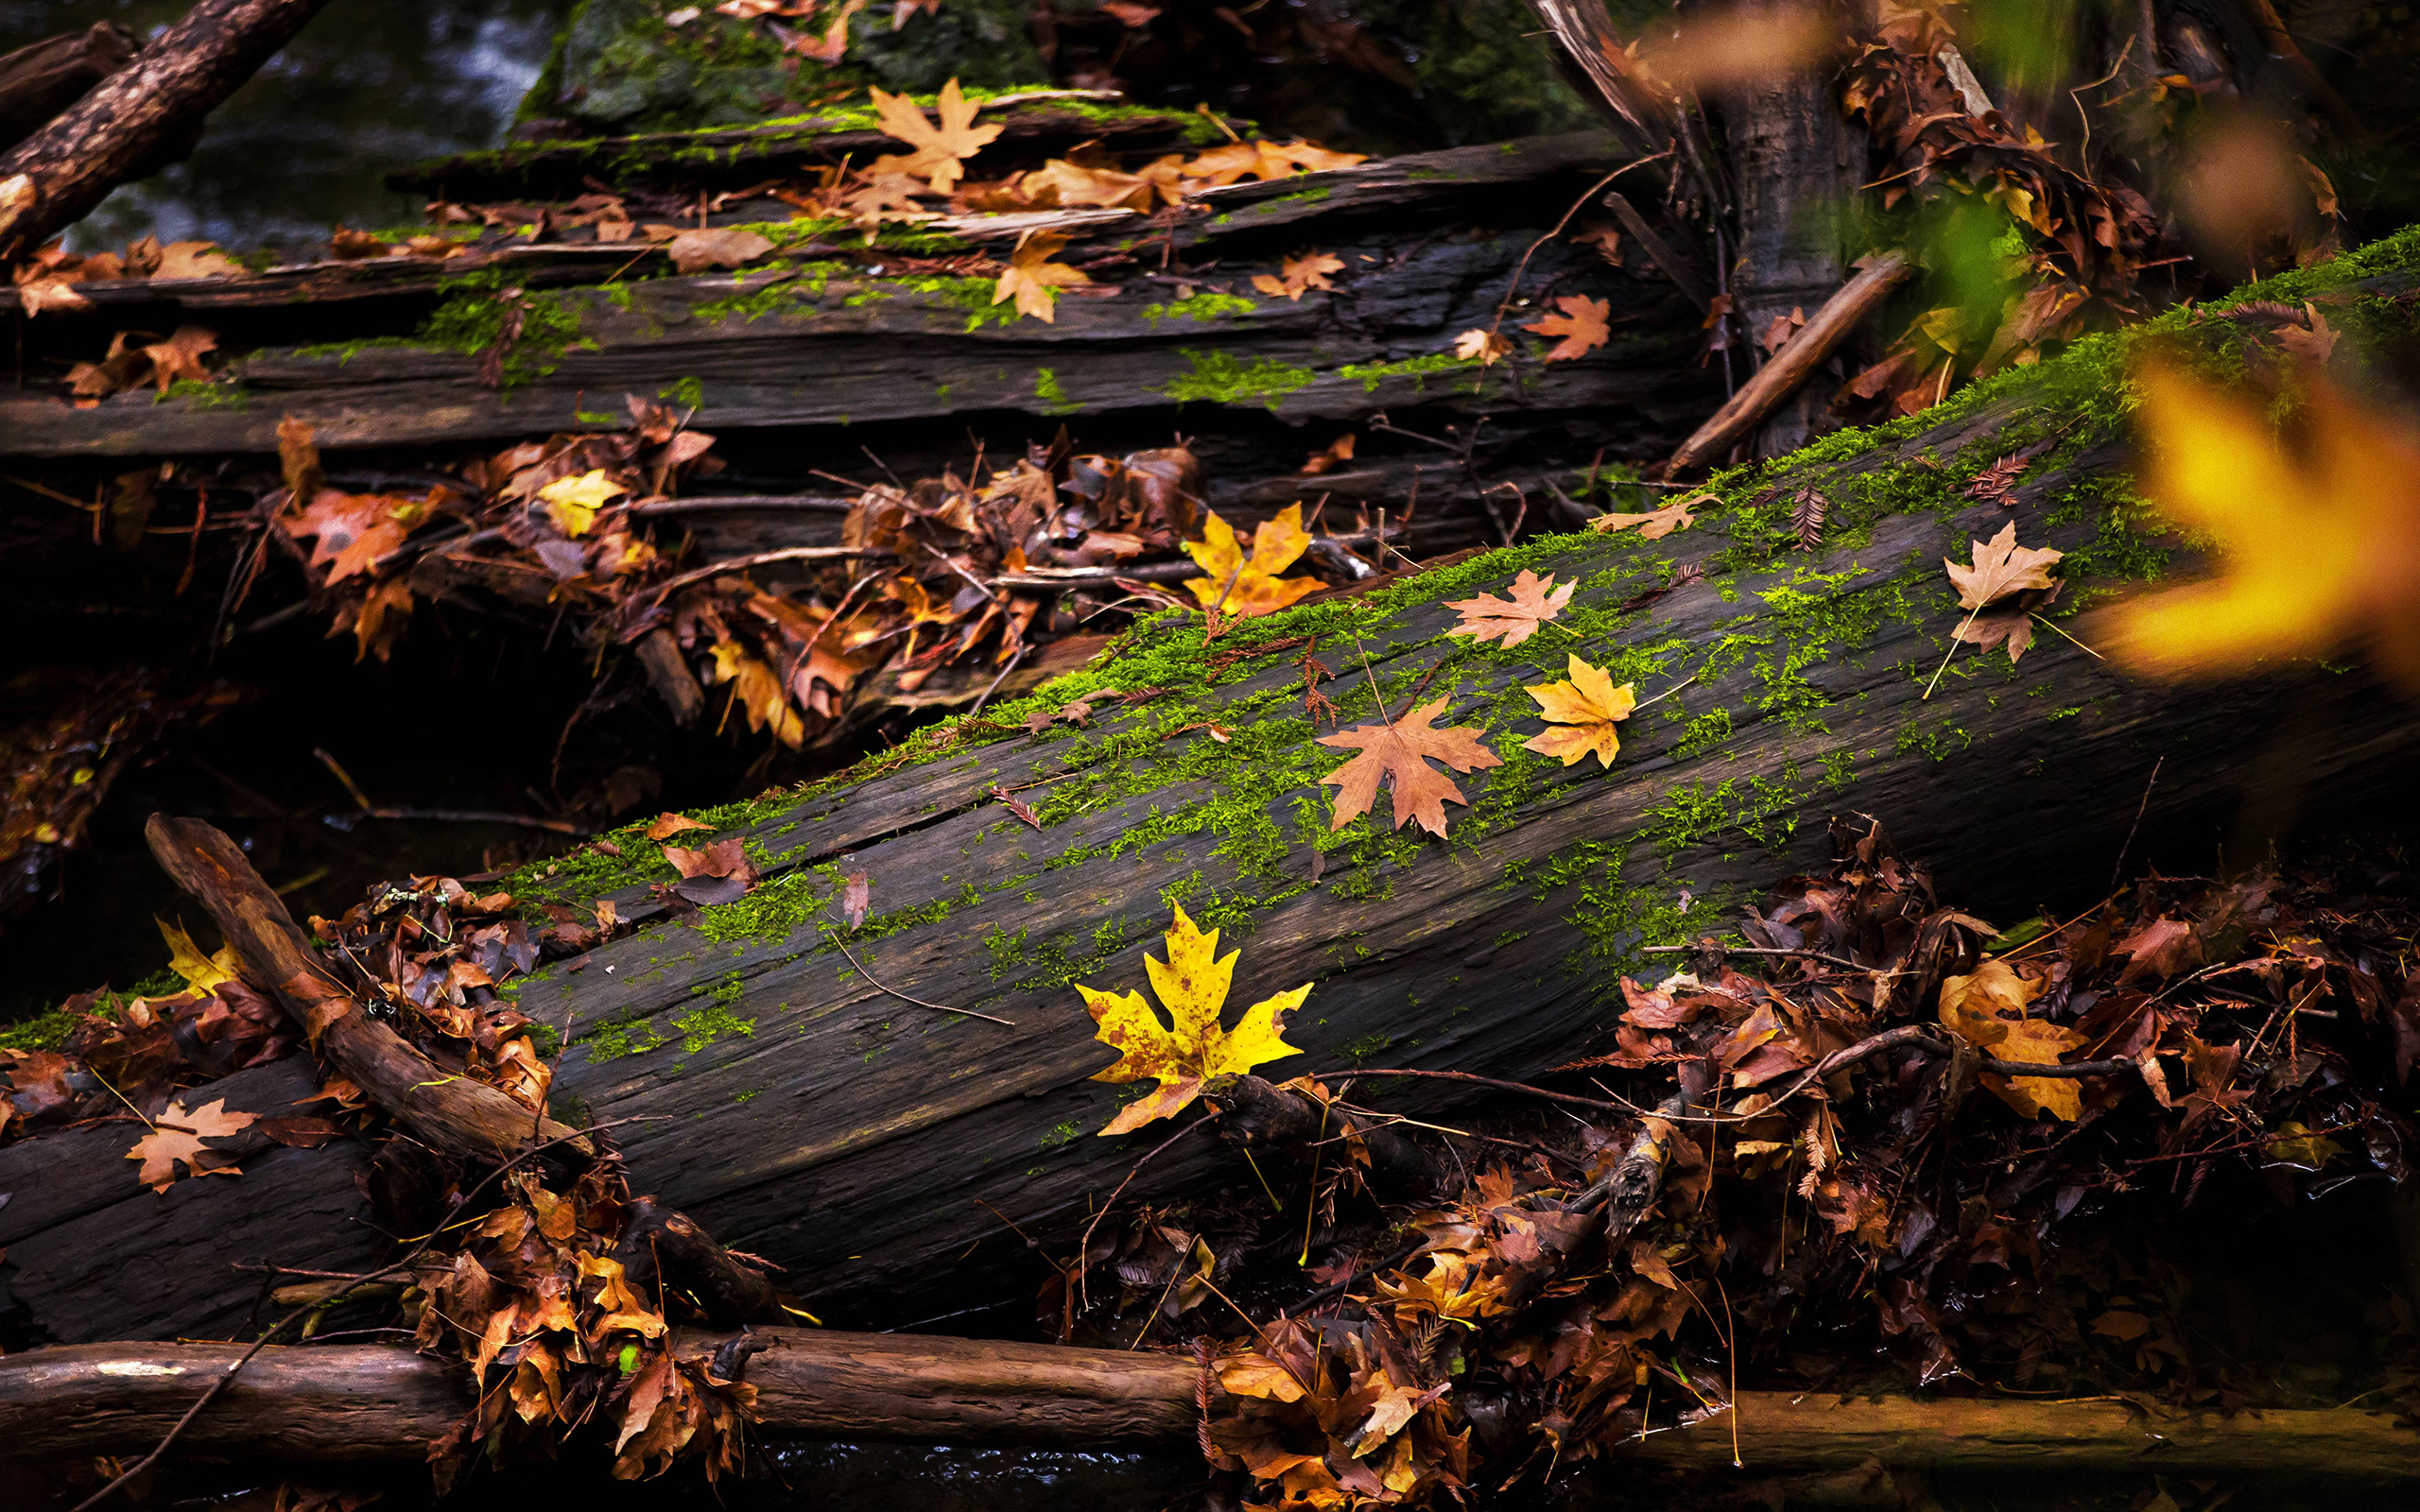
[(937, 1007)]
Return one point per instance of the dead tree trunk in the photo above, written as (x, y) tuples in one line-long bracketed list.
[(55, 176), (817, 1112)]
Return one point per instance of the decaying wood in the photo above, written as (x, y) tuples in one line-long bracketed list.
[(39, 81), (1790, 367), (874, 1148), (342, 1402), (450, 1114), (55, 176)]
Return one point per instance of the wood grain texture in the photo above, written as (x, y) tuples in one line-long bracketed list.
[(40, 79), (73, 163)]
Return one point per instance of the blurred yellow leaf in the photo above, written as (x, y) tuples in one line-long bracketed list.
[(2321, 539), (1192, 985), (574, 502)]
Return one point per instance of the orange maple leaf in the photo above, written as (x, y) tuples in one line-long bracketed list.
[(941, 151), (178, 1135), (354, 532), (1398, 752), (1299, 275), (1581, 326), (1536, 600), (1244, 586), (1032, 277)]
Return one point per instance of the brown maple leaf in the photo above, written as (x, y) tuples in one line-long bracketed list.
[(196, 260), (1032, 277), (2008, 624), (1536, 600), (1299, 275), (1993, 483), (354, 532), (1655, 525), (1398, 752), (2001, 567), (1580, 325), (716, 874), (940, 151), (178, 1135)]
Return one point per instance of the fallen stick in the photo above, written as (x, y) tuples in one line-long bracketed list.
[(55, 177), (373, 1402), (449, 1113), (39, 81), (1841, 315)]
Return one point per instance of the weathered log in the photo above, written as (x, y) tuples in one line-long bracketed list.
[(874, 1147), (450, 1114), (342, 1402), (53, 177), (39, 81)]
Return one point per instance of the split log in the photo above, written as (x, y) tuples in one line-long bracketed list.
[(817, 1111), (357, 1402), (39, 81), (55, 177)]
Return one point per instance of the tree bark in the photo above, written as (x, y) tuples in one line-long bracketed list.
[(55, 177), (39, 81), (355, 1403), (898, 1160)]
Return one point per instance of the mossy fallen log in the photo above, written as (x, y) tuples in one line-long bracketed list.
[(898, 1159)]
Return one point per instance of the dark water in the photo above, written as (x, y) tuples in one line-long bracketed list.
[(369, 86)]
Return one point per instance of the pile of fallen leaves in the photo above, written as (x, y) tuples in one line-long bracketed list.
[(1782, 1174)]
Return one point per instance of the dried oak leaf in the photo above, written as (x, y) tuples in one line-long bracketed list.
[(715, 247), (1249, 587), (1580, 325), (1192, 1047), (1654, 524), (2001, 568), (2320, 545), (1583, 712), (1536, 600), (1299, 275), (178, 1136), (1987, 1008), (940, 151), (1032, 277), (1398, 752), (573, 502), (1485, 348)]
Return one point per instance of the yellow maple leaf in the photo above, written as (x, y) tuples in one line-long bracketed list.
[(941, 151), (1581, 713), (1247, 587), (1032, 277), (574, 502), (1987, 1008), (1192, 985), (759, 692), (177, 1136), (2321, 542), (201, 972)]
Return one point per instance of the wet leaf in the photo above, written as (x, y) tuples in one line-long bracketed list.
[(1582, 711), (1191, 1047), (1398, 752)]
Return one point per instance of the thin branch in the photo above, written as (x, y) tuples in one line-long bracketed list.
[(937, 1007)]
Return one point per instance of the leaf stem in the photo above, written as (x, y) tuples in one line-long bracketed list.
[(1947, 655)]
